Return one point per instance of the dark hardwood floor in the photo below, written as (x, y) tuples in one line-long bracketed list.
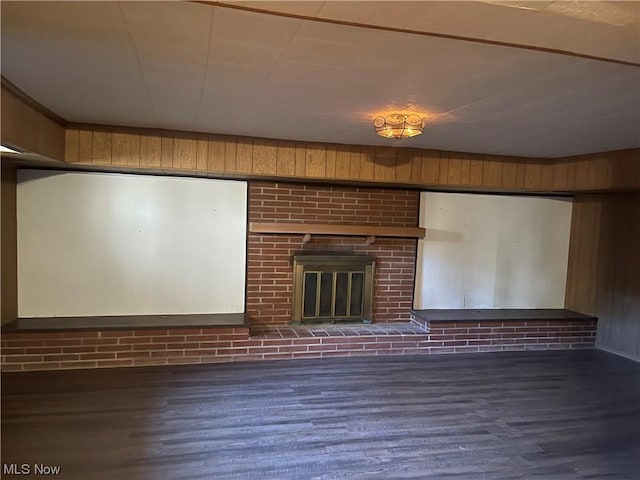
[(547, 415)]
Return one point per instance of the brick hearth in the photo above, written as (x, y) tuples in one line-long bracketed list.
[(119, 348)]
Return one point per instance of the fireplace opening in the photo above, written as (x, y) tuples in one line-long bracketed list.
[(332, 288)]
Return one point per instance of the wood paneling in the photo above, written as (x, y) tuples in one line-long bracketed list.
[(184, 153), (475, 170), (618, 292), (403, 165), (546, 176), (72, 147), (166, 153), (230, 159), (286, 159), (215, 155), (510, 171), (202, 153), (150, 151), (28, 128), (384, 168), (429, 168), (533, 175), (521, 173), (85, 147), (125, 149), (443, 167), (301, 154), (560, 175), (331, 161), (492, 173), (355, 162), (243, 157), (8, 245), (101, 150), (367, 163), (315, 161), (604, 264), (265, 154), (583, 249), (465, 169), (454, 173), (343, 163)]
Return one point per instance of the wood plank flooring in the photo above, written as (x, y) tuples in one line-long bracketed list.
[(548, 415)]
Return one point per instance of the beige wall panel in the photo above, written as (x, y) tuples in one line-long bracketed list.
[(120, 244), (492, 251)]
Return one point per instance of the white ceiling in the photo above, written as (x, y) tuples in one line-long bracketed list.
[(213, 68)]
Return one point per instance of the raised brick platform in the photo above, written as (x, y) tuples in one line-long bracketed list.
[(125, 348), (486, 330), (426, 334)]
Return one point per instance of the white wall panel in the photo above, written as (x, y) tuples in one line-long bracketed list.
[(114, 244), (492, 251)]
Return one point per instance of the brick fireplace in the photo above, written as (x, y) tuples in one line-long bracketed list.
[(270, 256), (332, 288), (268, 336)]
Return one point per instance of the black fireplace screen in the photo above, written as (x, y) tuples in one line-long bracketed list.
[(332, 288)]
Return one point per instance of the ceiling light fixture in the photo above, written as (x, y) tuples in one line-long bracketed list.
[(399, 125)]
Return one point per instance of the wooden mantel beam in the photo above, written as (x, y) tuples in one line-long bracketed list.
[(348, 230)]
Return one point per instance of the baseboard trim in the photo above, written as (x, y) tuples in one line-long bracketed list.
[(628, 356)]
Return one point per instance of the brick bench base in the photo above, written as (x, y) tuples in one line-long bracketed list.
[(458, 331), (23, 351)]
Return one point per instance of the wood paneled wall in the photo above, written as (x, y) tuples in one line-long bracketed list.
[(244, 157), (603, 277), (27, 127), (8, 245), (583, 254)]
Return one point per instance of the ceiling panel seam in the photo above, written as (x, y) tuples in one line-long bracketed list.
[(447, 36)]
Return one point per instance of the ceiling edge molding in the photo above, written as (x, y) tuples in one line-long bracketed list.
[(10, 87), (27, 126), (459, 38), (630, 153)]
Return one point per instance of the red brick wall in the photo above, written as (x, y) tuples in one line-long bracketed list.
[(269, 261), (510, 335), (119, 348), (122, 348)]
